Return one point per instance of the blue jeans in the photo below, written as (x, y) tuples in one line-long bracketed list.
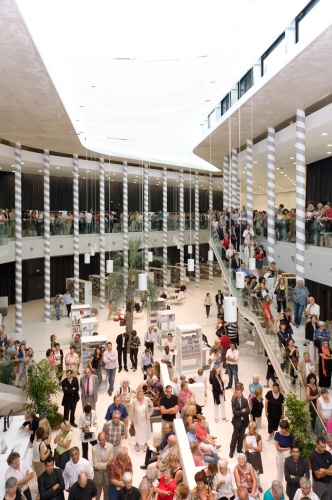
[(57, 311), (113, 492), (110, 377), (232, 372), (298, 310)]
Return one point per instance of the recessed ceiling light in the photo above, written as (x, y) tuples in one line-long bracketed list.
[(218, 187), (39, 170), (291, 158), (112, 180), (329, 152), (22, 163), (12, 165), (58, 168), (136, 175), (83, 178), (329, 145), (255, 161), (278, 168), (88, 171), (114, 174), (13, 171), (157, 178), (324, 133), (294, 162)]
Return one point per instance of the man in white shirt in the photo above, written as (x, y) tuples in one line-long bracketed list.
[(88, 222), (109, 357), (175, 384), (23, 473), (150, 339), (305, 490), (232, 358), (68, 301), (312, 308), (75, 466)]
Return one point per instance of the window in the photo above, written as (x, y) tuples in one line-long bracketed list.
[(212, 118), (303, 23), (245, 83), (225, 104), (274, 54)]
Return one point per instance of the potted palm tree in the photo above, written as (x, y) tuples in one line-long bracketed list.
[(39, 390), (117, 280)]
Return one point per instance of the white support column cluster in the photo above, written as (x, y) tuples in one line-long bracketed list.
[(196, 236), (146, 216), (300, 193), (76, 231), (18, 239), (165, 228), (182, 218), (125, 225), (238, 195), (210, 208), (227, 184), (271, 146), (234, 198), (47, 246), (102, 232), (249, 157)]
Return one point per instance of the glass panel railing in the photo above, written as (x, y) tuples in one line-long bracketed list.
[(3, 233), (249, 299)]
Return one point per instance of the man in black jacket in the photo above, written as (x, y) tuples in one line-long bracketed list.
[(70, 396), (240, 421), (235, 263), (83, 489), (219, 300), (121, 345), (50, 482), (295, 467)]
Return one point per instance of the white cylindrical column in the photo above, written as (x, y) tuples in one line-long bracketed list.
[(230, 309), (76, 231), (196, 235), (102, 231), (18, 238), (240, 283), (270, 193), (125, 226), (146, 216), (165, 228), (47, 246), (252, 264), (300, 193), (234, 179), (210, 248), (182, 217), (249, 201)]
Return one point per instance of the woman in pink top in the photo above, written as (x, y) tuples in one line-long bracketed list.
[(184, 395), (51, 359)]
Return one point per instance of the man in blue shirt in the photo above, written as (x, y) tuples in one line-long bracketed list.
[(149, 459), (300, 297), (117, 405), (243, 269)]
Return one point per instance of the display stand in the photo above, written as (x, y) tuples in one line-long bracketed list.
[(87, 326), (89, 344), (85, 290), (79, 312), (153, 307), (189, 348), (165, 325), (95, 282)]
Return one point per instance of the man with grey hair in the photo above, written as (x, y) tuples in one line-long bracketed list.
[(115, 431), (83, 488), (102, 454), (117, 468), (128, 492), (242, 494), (305, 490), (163, 459), (74, 467)]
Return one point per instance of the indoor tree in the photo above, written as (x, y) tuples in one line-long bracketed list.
[(136, 258)]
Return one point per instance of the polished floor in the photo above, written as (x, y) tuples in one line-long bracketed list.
[(37, 334)]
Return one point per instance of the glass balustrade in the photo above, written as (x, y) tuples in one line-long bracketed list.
[(3, 233), (249, 299)]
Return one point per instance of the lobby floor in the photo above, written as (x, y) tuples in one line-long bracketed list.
[(37, 333)]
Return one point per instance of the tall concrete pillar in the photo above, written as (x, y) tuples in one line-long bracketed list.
[(271, 146), (249, 156), (76, 231), (165, 228), (125, 225), (47, 245), (18, 238), (102, 232), (210, 208), (227, 184), (182, 218), (146, 216), (300, 193), (234, 198), (196, 236)]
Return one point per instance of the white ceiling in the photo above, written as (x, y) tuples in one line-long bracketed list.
[(136, 77)]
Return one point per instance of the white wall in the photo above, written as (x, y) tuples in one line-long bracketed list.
[(288, 199)]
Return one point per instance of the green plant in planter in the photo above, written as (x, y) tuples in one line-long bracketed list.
[(298, 415), (40, 389)]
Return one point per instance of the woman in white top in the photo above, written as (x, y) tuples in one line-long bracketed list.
[(40, 452), (224, 481), (88, 425), (140, 411), (125, 393), (72, 361), (170, 342), (324, 410)]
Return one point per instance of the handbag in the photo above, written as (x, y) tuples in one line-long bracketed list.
[(132, 430), (87, 435), (56, 456)]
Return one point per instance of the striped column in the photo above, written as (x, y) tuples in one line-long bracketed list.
[(182, 219), (225, 288), (249, 201), (18, 239), (238, 193), (47, 245), (227, 184), (210, 208), (165, 228), (300, 193), (234, 198), (271, 146), (102, 231), (125, 225), (196, 235), (76, 231), (146, 216)]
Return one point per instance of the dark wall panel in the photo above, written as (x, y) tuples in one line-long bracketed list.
[(319, 181), (323, 297)]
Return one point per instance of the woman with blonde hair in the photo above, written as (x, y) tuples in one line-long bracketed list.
[(63, 441), (253, 445), (43, 422), (140, 412)]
